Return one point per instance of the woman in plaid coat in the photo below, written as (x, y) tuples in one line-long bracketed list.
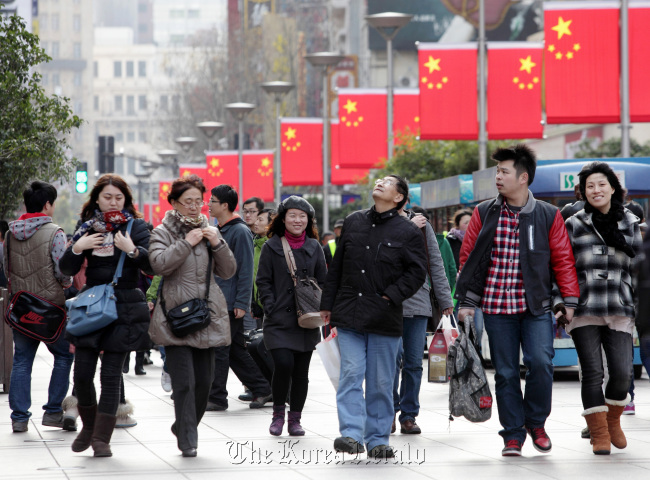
[(606, 241)]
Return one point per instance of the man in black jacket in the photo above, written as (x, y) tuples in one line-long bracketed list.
[(380, 262)]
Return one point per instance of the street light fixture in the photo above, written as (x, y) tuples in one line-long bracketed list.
[(278, 90), (170, 157), (239, 110), (186, 144), (322, 61), (209, 129), (388, 24)]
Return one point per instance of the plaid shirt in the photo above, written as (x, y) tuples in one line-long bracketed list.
[(504, 291)]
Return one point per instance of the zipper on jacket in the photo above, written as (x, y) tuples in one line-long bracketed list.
[(531, 237)]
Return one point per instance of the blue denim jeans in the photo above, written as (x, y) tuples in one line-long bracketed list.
[(20, 398), (409, 359), (618, 351), (534, 334), (371, 357)]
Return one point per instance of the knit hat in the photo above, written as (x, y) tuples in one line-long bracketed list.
[(298, 203), (339, 223)]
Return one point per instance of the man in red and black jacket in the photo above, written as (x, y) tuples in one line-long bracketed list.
[(515, 248)]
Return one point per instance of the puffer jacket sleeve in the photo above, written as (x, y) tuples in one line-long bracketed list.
[(140, 236), (166, 255), (224, 264), (473, 229)]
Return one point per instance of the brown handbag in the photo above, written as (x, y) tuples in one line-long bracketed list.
[(306, 292)]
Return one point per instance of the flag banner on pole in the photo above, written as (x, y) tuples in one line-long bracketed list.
[(340, 175), (406, 112), (363, 142), (222, 169), (200, 170), (581, 62), (514, 90), (448, 91), (301, 151), (639, 56), (258, 175), (159, 210)]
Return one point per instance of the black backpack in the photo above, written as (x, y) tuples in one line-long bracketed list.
[(469, 392)]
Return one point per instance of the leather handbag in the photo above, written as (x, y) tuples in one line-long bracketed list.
[(34, 316), (191, 316), (95, 307), (307, 293)]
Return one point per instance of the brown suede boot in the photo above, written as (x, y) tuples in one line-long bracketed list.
[(87, 414), (596, 418), (614, 421), (104, 425)]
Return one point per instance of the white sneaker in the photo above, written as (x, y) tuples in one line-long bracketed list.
[(166, 381)]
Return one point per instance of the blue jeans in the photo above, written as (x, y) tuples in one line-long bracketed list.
[(371, 357), (20, 398), (534, 334), (409, 358), (618, 351)]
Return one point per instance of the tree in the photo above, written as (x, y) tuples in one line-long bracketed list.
[(33, 126), (611, 148)]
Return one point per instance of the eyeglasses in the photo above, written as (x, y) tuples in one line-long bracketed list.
[(212, 200), (386, 182), (197, 204), (250, 212)]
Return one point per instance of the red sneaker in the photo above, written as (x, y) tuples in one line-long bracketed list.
[(541, 442), (512, 448)]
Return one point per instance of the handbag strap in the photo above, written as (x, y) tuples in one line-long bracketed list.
[(291, 261), (207, 282), (120, 264)]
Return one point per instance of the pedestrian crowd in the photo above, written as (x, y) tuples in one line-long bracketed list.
[(230, 296)]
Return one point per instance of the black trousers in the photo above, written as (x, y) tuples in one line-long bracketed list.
[(192, 370), (110, 377), (236, 357), (291, 370)]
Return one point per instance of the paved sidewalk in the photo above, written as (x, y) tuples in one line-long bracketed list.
[(236, 443)]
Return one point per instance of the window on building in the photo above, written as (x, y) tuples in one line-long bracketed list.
[(76, 79), (130, 105), (42, 23), (117, 69), (129, 68), (45, 79), (142, 7), (142, 68), (119, 138), (176, 102), (78, 107), (130, 166), (55, 50), (142, 102), (176, 39), (76, 50), (118, 165), (177, 13), (130, 137), (143, 28), (118, 103), (55, 22), (56, 79), (95, 69), (164, 103), (96, 103), (142, 137), (45, 46), (193, 13), (76, 23)]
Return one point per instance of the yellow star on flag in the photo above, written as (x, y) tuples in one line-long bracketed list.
[(562, 28), (290, 133), (265, 170), (433, 64), (214, 162), (266, 162), (350, 106), (526, 64)]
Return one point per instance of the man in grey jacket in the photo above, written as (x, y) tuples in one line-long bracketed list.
[(238, 291), (417, 311)]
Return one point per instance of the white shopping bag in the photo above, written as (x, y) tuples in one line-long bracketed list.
[(330, 355)]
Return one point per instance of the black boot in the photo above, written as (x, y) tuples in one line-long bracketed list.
[(139, 363), (125, 367)]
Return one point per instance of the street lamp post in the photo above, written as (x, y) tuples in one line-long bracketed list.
[(170, 158), (209, 129), (186, 143), (279, 90), (388, 24), (239, 111), (322, 61)]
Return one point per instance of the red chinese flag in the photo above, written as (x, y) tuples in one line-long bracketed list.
[(222, 169), (581, 62), (339, 175), (301, 151), (514, 90), (258, 175), (159, 210), (362, 127), (158, 214), (201, 171), (406, 112), (448, 91), (639, 55)]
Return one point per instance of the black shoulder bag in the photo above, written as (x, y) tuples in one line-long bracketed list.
[(193, 315)]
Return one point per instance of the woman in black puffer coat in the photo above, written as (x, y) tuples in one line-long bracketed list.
[(101, 239)]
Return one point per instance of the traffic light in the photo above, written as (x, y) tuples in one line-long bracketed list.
[(106, 154), (81, 178)]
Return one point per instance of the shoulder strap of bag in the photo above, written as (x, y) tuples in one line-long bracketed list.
[(120, 264), (291, 261)]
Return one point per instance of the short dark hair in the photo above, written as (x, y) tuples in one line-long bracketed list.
[(183, 184), (402, 187), (226, 194), (270, 211), (605, 169), (88, 209), (4, 228), (523, 156), (37, 195), (458, 216), (259, 203)]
